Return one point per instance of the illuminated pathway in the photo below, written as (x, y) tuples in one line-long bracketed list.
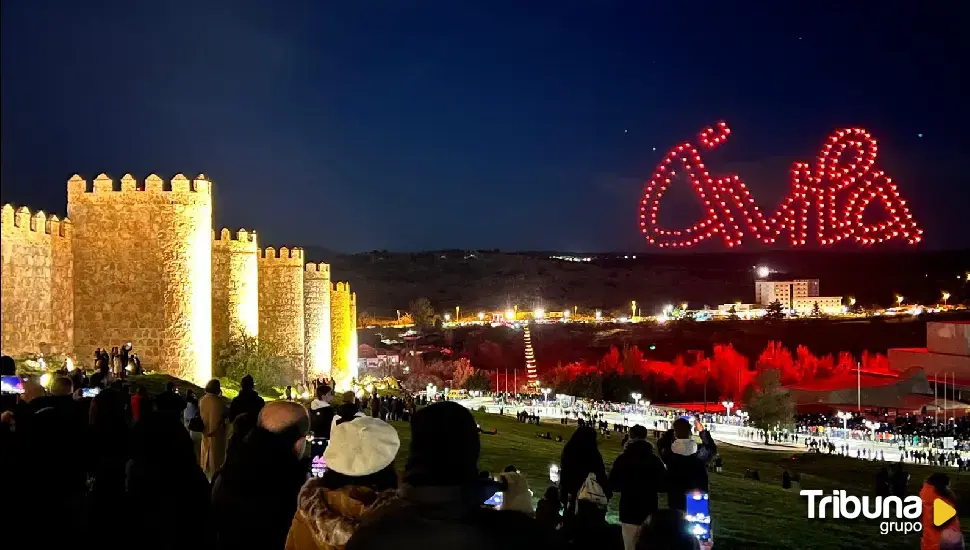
[(726, 433)]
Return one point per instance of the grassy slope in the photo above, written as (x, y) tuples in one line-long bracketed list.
[(747, 514)]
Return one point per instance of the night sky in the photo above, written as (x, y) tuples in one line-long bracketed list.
[(518, 125)]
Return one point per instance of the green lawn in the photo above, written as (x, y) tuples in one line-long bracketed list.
[(747, 514)]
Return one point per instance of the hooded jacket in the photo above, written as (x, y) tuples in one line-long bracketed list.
[(638, 475), (325, 519), (686, 466)]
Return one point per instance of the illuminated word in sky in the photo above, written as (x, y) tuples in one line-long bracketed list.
[(839, 188)]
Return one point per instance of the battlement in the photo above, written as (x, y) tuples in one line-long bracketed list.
[(284, 256), (318, 271), (21, 219), (242, 241), (128, 188), (341, 287)]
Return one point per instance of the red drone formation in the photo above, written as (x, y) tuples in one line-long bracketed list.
[(839, 188)]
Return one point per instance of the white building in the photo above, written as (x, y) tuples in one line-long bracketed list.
[(799, 296)]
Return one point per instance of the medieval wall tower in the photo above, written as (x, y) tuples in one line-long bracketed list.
[(143, 270), (235, 288), (352, 359), (316, 312), (344, 362), (37, 302), (281, 321)]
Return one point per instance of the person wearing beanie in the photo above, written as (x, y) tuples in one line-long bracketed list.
[(360, 469), (440, 501)]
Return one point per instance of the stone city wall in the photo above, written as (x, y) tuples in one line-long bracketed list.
[(36, 302)]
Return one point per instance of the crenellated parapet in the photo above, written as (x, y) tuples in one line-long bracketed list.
[(22, 219), (284, 257), (152, 189)]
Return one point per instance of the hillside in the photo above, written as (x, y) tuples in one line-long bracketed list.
[(492, 280)]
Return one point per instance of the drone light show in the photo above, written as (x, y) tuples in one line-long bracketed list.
[(840, 187)]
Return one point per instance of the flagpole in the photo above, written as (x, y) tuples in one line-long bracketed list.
[(936, 400)]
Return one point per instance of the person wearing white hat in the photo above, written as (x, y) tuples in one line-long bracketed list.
[(359, 470)]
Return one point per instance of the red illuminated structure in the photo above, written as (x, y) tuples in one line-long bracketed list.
[(839, 188)]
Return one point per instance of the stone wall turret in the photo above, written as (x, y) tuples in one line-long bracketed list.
[(281, 320), (143, 270), (235, 286)]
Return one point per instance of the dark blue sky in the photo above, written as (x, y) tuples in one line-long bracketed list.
[(498, 124)]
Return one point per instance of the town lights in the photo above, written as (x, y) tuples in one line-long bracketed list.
[(539, 313), (510, 315), (845, 167), (599, 315), (481, 315)]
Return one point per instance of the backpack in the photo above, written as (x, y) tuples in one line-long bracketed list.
[(592, 492)]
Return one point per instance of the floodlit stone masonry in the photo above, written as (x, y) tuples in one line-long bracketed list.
[(138, 262)]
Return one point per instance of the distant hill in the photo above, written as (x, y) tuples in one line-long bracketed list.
[(491, 280)]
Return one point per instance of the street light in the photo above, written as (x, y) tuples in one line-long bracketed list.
[(539, 313), (728, 405), (636, 397), (633, 308), (481, 315), (763, 272), (851, 301), (447, 317), (946, 296), (899, 300)]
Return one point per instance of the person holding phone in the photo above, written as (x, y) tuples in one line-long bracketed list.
[(686, 460)]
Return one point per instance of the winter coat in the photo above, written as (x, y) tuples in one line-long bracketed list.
[(321, 418), (248, 401), (254, 497), (326, 519), (687, 468), (638, 475), (420, 518), (932, 534), (574, 472), (212, 409)]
